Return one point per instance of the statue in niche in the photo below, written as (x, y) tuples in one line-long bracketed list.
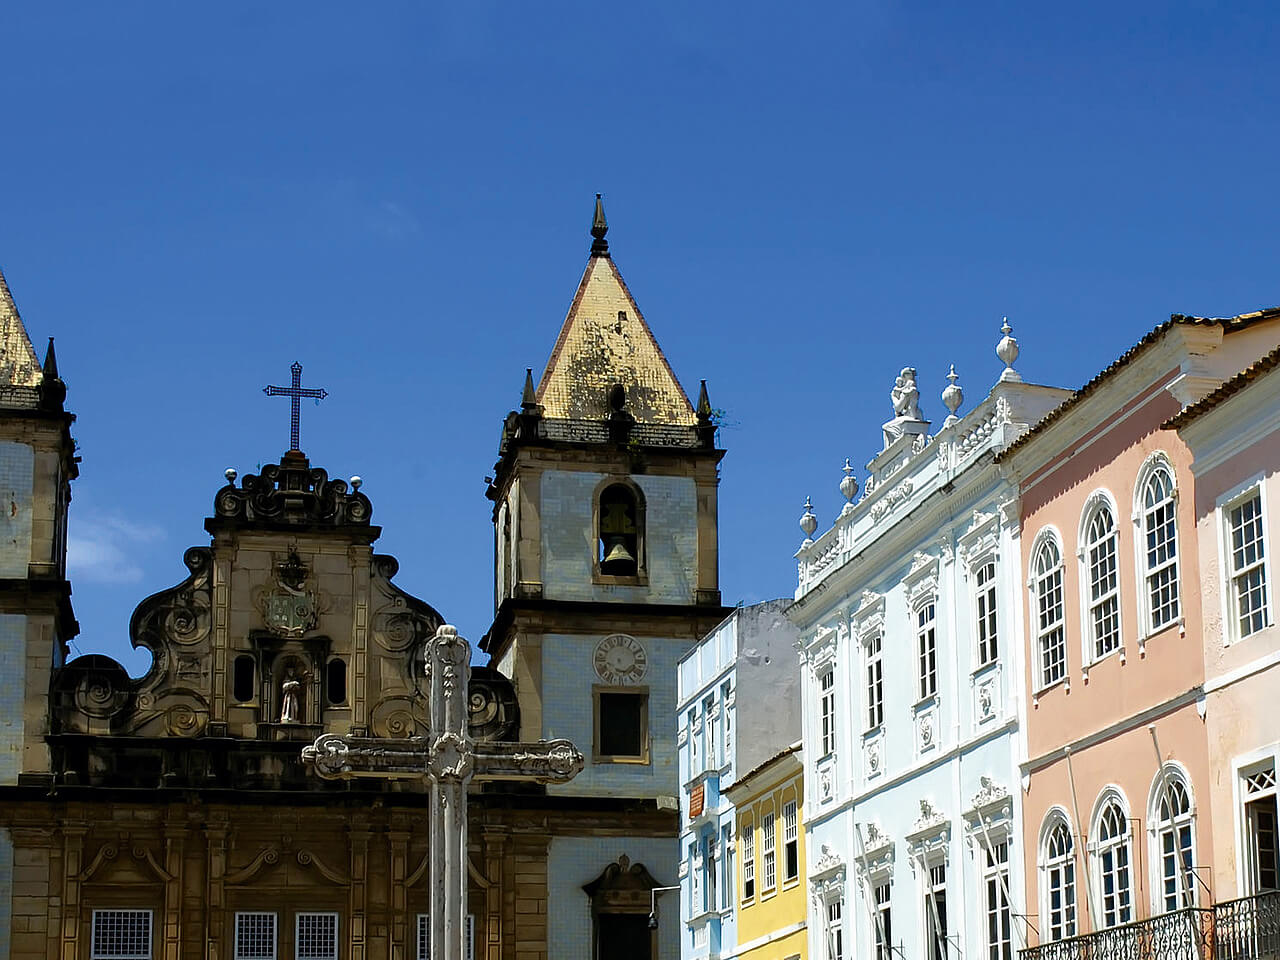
[(291, 698), (905, 397)]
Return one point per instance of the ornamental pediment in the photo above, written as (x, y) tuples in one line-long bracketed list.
[(868, 619)]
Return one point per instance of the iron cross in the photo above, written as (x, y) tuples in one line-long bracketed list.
[(295, 393)]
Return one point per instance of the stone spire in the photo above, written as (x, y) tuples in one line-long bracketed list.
[(52, 390), (19, 365), (599, 227)]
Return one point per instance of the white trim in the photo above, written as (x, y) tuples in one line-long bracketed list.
[(1108, 794), (1055, 815), (1156, 460), (1240, 673), (772, 937), (1239, 764), (1169, 771), (1097, 501), (1046, 534)]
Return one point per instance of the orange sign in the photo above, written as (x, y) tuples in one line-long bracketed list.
[(696, 799)]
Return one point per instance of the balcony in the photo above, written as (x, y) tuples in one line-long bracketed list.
[(1246, 929)]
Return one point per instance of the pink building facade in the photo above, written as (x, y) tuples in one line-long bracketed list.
[(1118, 773), (1234, 436)]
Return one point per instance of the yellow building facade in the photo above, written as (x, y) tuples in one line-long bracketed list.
[(770, 882)]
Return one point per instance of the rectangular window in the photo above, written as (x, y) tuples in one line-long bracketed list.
[(1104, 583), (768, 839), (694, 766), (709, 731), (1053, 644), (1262, 830), (622, 726), (709, 865), (835, 931), (882, 921), (747, 836), (935, 913), (1159, 522), (790, 841), (121, 935), (1246, 558), (995, 877), (927, 650), (424, 936), (316, 936), (726, 722), (255, 936), (828, 685), (726, 861), (875, 681), (985, 613)]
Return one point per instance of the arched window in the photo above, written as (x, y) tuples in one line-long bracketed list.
[(1058, 879), (1051, 639), (1102, 582), (1114, 864), (242, 685), (618, 540), (1173, 837), (1159, 561)]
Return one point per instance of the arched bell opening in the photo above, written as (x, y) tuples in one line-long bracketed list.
[(620, 531)]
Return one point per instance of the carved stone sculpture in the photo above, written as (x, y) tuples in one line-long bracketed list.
[(905, 397), (291, 699)]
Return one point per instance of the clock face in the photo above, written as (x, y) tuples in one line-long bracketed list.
[(620, 659)]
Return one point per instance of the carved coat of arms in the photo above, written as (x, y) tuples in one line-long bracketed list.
[(290, 609)]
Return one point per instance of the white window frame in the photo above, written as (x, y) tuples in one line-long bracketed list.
[(1098, 503), (726, 721), (709, 724), (1126, 911), (995, 882), (1230, 604), (925, 615), (930, 887), (882, 918), (986, 610), (297, 933), (98, 951), (827, 709), (873, 676), (769, 851), (1046, 538), (833, 926), (747, 838), (1246, 767), (726, 867), (1156, 463), (1055, 865), (275, 935), (424, 937), (1171, 777), (790, 839)]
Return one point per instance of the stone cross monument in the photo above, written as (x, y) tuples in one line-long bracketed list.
[(450, 759)]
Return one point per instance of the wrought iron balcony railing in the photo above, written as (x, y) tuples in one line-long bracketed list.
[(1245, 929)]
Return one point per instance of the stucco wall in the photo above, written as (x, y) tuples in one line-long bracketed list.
[(17, 466)]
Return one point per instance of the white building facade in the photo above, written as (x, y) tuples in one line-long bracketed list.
[(909, 615)]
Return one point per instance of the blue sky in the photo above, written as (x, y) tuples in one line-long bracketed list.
[(802, 198)]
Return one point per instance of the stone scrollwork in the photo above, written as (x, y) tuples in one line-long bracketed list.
[(549, 761), (450, 760), (394, 717), (181, 615), (292, 492), (402, 622)]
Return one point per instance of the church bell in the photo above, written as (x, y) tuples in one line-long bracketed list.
[(617, 557)]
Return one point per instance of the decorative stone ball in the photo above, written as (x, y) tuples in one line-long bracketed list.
[(230, 474), (355, 483)]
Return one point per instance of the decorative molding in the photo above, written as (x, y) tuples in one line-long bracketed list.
[(307, 858), (930, 837), (921, 580), (267, 857), (868, 619)]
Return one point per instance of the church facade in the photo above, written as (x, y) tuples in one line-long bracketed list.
[(172, 815)]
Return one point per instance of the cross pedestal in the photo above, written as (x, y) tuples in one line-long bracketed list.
[(450, 759)]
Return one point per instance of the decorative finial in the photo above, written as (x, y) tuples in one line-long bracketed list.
[(529, 400), (52, 390), (230, 474), (355, 483), (848, 485), (704, 405), (1007, 351), (599, 227), (808, 522), (952, 397)]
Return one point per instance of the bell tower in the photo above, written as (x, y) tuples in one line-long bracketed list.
[(37, 465), (606, 573)]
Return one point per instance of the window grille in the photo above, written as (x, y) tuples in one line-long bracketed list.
[(1115, 885), (1052, 643), (1060, 883), (883, 922), (469, 938), (988, 644), (1248, 571), (927, 648), (255, 936), (875, 681), (828, 685), (790, 841), (316, 936), (748, 837), (995, 876), (424, 936), (769, 838), (1102, 542), (1262, 830), (1159, 527), (1175, 846), (121, 935)]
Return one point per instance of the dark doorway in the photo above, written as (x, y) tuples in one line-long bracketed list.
[(623, 936)]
